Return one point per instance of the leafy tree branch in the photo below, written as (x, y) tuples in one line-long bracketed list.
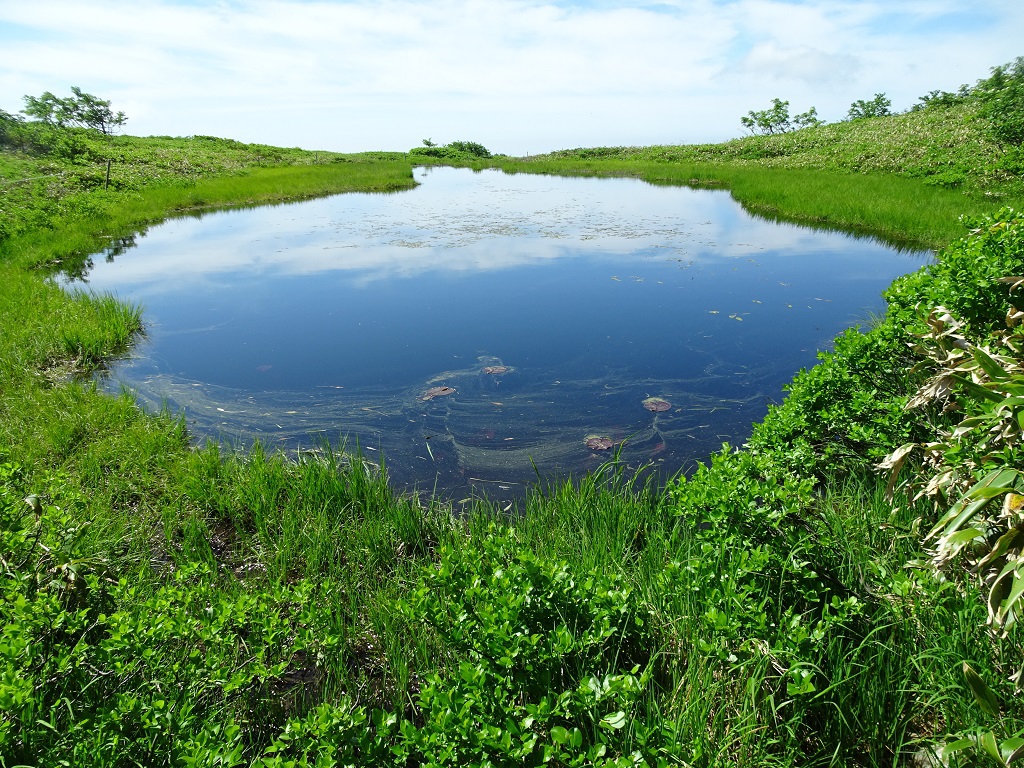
[(80, 110)]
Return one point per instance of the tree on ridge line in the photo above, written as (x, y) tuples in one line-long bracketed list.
[(82, 110)]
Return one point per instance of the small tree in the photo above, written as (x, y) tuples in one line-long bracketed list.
[(768, 121), (1002, 101), (808, 119), (942, 99), (46, 108), (777, 119), (82, 110), (8, 126), (876, 107)]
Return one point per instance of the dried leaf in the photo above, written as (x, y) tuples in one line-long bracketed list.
[(894, 462)]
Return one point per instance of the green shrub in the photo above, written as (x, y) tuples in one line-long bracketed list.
[(456, 150), (850, 408), (752, 531), (95, 671), (1002, 100), (966, 277), (542, 663)]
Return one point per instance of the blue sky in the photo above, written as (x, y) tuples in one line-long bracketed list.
[(519, 76)]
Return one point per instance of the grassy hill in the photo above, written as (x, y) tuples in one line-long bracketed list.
[(946, 146), (50, 175), (906, 178)]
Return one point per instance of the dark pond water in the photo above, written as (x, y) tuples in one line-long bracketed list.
[(484, 324)]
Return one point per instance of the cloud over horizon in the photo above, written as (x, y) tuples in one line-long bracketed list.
[(515, 75)]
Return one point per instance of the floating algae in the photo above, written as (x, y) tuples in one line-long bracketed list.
[(493, 438)]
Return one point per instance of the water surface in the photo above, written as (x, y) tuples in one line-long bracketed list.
[(553, 307)]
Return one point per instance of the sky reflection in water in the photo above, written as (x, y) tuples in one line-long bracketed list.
[(333, 317)]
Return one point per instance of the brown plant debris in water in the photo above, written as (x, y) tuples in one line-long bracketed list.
[(657, 404), (433, 392), (598, 442)]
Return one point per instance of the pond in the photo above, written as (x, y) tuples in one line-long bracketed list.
[(486, 327)]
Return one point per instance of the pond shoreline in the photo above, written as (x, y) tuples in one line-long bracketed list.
[(633, 290)]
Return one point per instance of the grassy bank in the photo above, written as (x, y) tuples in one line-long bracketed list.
[(950, 146), (898, 210), (166, 605), (905, 178)]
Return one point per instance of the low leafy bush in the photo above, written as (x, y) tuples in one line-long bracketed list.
[(542, 663), (966, 277), (456, 150), (98, 671), (846, 408), (851, 406), (759, 563)]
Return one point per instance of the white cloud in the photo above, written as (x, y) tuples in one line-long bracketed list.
[(518, 76), (813, 66)]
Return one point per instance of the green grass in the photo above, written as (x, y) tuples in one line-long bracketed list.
[(905, 178), (949, 147), (898, 210), (82, 223)]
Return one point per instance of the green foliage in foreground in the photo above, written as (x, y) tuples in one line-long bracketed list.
[(172, 607)]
